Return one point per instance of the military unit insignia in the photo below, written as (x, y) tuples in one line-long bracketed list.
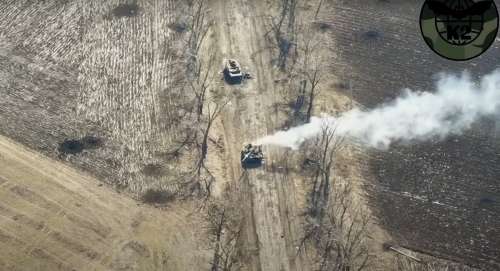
[(459, 29)]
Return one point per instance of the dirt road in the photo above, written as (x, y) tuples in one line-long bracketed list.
[(106, 73), (269, 199), (53, 217)]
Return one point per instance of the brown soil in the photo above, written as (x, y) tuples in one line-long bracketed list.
[(438, 196), (53, 217), (84, 82)]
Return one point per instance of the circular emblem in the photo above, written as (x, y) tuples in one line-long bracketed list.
[(459, 29)]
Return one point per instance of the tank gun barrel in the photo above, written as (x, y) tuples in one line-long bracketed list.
[(246, 157)]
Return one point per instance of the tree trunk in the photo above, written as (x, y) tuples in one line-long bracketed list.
[(310, 106), (215, 263)]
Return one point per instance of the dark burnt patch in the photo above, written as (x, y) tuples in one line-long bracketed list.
[(157, 196), (71, 146), (323, 26), (126, 10), (179, 27), (92, 142), (153, 170), (75, 146), (487, 202), (342, 85), (371, 36)]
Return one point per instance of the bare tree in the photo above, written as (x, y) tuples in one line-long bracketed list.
[(199, 25), (201, 84), (224, 228), (283, 28), (201, 173), (304, 77), (313, 78), (190, 77), (343, 244), (318, 8), (312, 66), (340, 237), (335, 224), (321, 160), (212, 114), (199, 78)]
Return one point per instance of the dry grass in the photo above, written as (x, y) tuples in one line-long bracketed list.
[(53, 217), (103, 69)]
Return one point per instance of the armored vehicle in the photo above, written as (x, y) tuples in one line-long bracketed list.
[(251, 155), (232, 71)]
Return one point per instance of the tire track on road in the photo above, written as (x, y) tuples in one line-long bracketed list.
[(267, 208)]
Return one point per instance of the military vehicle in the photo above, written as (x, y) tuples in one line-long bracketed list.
[(232, 71), (251, 155)]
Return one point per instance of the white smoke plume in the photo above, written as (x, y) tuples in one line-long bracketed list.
[(452, 109)]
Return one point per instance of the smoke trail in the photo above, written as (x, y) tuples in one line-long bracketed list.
[(456, 104)]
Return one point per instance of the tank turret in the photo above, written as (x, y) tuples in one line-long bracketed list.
[(232, 71)]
